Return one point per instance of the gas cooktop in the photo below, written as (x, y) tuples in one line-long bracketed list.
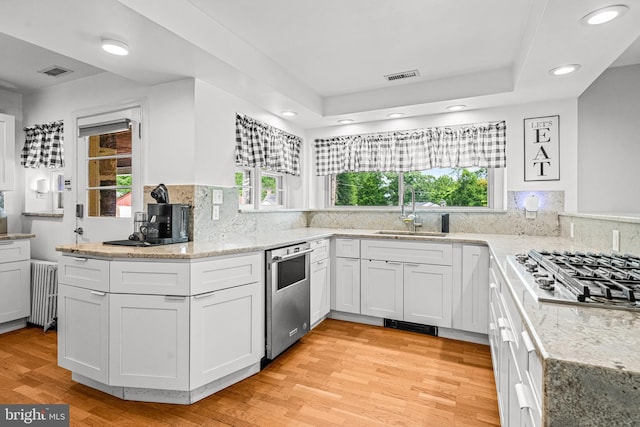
[(601, 280)]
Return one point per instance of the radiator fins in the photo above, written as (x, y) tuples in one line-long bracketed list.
[(44, 293)]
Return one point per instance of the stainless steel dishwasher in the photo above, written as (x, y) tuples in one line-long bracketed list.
[(287, 296)]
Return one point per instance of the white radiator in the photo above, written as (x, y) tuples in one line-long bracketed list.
[(44, 293)]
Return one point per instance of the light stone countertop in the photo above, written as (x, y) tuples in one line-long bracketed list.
[(568, 338), (16, 236)]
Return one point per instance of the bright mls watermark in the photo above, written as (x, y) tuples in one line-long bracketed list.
[(34, 415)]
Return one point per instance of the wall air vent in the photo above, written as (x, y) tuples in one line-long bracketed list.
[(402, 75), (55, 71)]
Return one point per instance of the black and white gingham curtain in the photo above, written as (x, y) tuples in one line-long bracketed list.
[(262, 145), (480, 145), (43, 146)]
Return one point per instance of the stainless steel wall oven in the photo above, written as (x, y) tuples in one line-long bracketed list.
[(287, 297)]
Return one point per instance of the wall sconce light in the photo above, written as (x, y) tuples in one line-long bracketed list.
[(42, 188), (531, 205)]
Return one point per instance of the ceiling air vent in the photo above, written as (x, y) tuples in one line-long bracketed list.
[(55, 71), (402, 75)]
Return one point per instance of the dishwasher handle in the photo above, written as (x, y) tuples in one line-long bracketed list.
[(290, 256)]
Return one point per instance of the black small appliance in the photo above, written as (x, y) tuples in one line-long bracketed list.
[(168, 223)]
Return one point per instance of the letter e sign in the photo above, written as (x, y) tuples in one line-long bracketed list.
[(542, 148)]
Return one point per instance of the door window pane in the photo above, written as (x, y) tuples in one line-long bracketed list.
[(109, 179)]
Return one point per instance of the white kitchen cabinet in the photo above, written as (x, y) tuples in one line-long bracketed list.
[(517, 367), (83, 331), (118, 329), (227, 332), (320, 297), (382, 289), (428, 294), (347, 248), (7, 152), (347, 285), (474, 297), (149, 341), (15, 278)]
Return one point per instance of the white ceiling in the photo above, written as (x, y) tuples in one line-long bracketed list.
[(326, 59)]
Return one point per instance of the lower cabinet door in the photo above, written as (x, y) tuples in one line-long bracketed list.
[(15, 290), (320, 294), (428, 294), (227, 332), (149, 341), (83, 332), (347, 285), (382, 289)]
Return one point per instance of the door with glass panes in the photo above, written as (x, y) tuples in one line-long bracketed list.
[(108, 189)]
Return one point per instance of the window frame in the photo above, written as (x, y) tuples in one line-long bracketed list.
[(496, 195), (255, 180)]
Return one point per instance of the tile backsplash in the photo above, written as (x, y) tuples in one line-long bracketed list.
[(1, 200)]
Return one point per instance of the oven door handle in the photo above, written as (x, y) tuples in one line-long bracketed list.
[(290, 256)]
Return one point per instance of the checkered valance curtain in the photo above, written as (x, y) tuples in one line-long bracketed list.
[(481, 145), (262, 145), (43, 146)]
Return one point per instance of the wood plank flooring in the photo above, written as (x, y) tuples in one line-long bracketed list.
[(341, 373)]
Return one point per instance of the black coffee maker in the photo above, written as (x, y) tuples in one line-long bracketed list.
[(168, 222)]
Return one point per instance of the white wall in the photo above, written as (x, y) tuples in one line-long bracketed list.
[(513, 115), (11, 104), (215, 138), (609, 148)]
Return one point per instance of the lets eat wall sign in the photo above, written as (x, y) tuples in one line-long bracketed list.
[(542, 148)]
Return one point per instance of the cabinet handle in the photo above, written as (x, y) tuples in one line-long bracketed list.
[(322, 261), (412, 265), (80, 259), (502, 323), (208, 294), (174, 298), (6, 242), (507, 336), (528, 344), (100, 294), (523, 396), (393, 263)]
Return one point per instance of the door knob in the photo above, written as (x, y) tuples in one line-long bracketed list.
[(79, 231)]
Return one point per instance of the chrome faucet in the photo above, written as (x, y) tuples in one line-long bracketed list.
[(411, 218)]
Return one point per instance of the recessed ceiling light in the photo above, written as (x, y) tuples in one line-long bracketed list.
[(564, 69), (346, 121), (115, 47), (289, 113), (395, 115), (456, 107), (604, 15)]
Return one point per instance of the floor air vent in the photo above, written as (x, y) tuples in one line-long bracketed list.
[(411, 327), (402, 75)]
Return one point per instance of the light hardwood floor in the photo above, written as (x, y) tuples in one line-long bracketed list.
[(339, 374)]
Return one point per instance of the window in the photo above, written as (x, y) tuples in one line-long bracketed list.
[(108, 169), (434, 188), (270, 186)]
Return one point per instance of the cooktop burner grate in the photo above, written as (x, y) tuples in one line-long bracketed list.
[(609, 279)]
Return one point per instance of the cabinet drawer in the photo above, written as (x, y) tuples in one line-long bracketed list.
[(226, 272), (151, 278), (14, 250), (83, 272), (348, 248), (408, 251), (320, 250)]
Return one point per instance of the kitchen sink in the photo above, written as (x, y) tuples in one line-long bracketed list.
[(411, 233)]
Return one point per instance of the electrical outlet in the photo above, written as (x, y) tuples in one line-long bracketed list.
[(616, 240), (217, 197), (572, 230), (215, 213)]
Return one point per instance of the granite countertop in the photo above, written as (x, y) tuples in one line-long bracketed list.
[(583, 335), (15, 236)]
